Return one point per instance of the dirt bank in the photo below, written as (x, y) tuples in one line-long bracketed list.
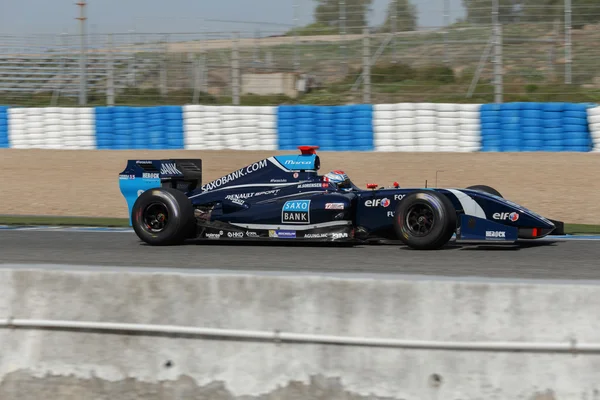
[(85, 183)]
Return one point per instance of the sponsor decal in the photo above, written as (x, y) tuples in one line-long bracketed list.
[(139, 192), (249, 195), (169, 169), (278, 180), (296, 212), (495, 234), (298, 163), (127, 177), (385, 202), (143, 162), (252, 234), (310, 185), (149, 175), (399, 196), (390, 214), (286, 234), (235, 234), (315, 235), (513, 216), (334, 206), (282, 234), (239, 196), (339, 235), (213, 236), (268, 192), (257, 166), (296, 175), (238, 202)]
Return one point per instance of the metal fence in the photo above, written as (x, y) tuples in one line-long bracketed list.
[(502, 50)]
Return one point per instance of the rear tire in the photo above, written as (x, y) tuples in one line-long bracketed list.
[(486, 189), (425, 220), (163, 217)]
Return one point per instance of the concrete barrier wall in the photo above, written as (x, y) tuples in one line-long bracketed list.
[(408, 127), (92, 365)]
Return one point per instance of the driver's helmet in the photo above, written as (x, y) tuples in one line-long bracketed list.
[(338, 178)]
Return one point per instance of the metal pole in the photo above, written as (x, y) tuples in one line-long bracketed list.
[(497, 29), (480, 66), (110, 84), (204, 71), (394, 29), (197, 81), (163, 68), (256, 46), (446, 24), (342, 21), (296, 62), (568, 55), (82, 58), (366, 66), (235, 71)]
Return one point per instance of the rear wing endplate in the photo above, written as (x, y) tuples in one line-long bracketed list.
[(140, 175)]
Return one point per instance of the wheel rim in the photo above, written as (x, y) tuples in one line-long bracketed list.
[(420, 219), (156, 217)]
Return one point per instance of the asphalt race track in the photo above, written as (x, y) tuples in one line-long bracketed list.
[(563, 259)]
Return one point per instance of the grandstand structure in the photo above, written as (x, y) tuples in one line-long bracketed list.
[(54, 67)]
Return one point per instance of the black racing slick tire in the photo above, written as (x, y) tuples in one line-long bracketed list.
[(425, 220), (486, 189), (163, 217)]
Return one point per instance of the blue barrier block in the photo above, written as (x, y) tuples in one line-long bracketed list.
[(329, 127), (552, 122), (491, 128), (104, 127), (554, 107), (535, 126), (173, 128), (4, 142)]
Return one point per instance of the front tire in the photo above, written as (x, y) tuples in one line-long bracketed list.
[(425, 220), (163, 217)]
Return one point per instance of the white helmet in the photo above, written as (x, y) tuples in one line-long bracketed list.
[(339, 178)]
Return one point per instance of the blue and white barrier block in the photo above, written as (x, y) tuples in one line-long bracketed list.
[(401, 127)]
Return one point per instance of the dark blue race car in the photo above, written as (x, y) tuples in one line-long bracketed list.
[(283, 198)]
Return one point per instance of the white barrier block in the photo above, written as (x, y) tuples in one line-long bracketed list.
[(383, 108), (470, 107)]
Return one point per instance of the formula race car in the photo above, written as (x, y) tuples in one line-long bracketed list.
[(283, 198)]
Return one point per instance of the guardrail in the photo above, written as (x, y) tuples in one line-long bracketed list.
[(431, 127), (571, 346)]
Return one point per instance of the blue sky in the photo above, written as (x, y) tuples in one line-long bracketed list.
[(177, 16)]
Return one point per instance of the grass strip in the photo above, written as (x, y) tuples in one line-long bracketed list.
[(582, 229)]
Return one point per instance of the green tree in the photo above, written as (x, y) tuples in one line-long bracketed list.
[(329, 13), (406, 16)]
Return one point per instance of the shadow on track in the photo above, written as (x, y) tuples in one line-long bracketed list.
[(520, 245)]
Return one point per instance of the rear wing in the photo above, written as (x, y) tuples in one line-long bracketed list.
[(140, 175)]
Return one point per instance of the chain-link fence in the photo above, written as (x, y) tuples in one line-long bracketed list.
[(501, 50)]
